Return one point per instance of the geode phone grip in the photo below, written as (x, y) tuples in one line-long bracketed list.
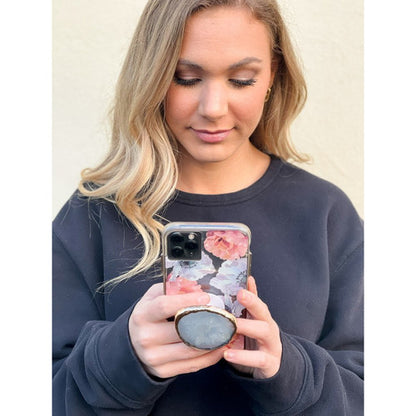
[(205, 327)]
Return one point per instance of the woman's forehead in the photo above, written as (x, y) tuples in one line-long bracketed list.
[(227, 32)]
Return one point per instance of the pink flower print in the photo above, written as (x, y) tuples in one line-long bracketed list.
[(181, 285), (227, 245)]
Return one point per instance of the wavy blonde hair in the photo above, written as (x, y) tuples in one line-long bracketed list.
[(139, 173)]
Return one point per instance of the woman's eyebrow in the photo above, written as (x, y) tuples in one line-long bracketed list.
[(243, 62), (190, 64)]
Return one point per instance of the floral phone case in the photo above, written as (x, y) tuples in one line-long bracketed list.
[(207, 257)]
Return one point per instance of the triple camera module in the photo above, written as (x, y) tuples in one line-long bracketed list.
[(184, 246)]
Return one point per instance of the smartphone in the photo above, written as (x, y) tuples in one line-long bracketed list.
[(211, 257), (207, 257)]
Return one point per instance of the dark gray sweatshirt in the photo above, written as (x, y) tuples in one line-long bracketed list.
[(307, 245)]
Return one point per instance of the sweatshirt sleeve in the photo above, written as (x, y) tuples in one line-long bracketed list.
[(323, 377), (95, 369)]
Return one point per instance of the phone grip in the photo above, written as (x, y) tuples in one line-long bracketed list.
[(205, 327)]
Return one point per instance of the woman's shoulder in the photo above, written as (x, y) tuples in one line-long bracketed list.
[(83, 214), (317, 202), (301, 185), (305, 196)]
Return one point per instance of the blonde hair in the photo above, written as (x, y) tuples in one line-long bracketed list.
[(140, 171)]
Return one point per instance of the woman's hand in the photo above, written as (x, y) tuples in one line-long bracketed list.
[(155, 339), (264, 360)]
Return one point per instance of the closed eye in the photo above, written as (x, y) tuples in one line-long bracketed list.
[(186, 82), (190, 82), (241, 83)]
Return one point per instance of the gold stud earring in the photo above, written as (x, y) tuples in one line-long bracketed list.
[(268, 95)]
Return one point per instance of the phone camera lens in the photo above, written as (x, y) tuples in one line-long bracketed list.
[(177, 238), (177, 252), (184, 245), (191, 245)]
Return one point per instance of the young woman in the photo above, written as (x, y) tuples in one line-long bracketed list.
[(204, 103)]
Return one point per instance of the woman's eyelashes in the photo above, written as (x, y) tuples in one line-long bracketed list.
[(186, 82), (235, 82), (240, 83)]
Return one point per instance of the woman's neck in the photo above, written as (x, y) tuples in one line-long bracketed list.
[(223, 177)]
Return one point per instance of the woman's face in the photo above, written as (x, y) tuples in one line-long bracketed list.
[(216, 99)]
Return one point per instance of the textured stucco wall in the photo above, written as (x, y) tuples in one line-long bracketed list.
[(90, 39)]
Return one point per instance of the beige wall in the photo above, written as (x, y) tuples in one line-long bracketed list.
[(90, 39)]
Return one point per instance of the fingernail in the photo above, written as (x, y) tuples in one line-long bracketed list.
[(229, 355)]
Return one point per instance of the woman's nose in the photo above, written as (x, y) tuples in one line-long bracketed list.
[(213, 102)]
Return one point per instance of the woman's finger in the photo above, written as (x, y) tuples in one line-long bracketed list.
[(191, 365), (165, 306), (267, 364), (251, 285), (160, 333), (266, 333), (255, 306), (153, 292), (164, 354)]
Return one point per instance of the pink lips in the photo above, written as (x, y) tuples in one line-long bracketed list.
[(208, 136)]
